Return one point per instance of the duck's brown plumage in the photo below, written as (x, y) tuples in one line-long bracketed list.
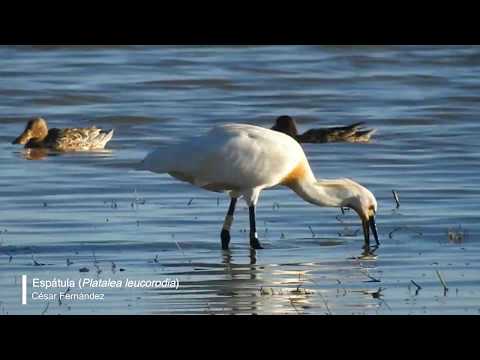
[(37, 135), (351, 133)]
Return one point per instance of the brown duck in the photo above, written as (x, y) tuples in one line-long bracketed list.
[(352, 133), (37, 135)]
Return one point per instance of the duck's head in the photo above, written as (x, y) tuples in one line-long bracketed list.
[(35, 129), (286, 125)]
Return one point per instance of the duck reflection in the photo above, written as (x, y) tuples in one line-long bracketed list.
[(42, 153), (35, 154)]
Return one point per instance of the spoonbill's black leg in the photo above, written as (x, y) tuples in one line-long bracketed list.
[(225, 234), (366, 234), (373, 226), (254, 243)]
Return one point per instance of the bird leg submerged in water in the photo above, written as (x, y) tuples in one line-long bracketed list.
[(225, 234), (254, 243)]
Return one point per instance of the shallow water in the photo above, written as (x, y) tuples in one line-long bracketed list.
[(97, 212)]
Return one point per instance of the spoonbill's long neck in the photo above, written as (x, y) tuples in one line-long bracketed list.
[(329, 193)]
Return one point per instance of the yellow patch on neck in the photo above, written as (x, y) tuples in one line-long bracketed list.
[(298, 173)]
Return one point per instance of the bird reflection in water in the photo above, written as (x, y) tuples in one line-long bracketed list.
[(253, 289), (42, 153), (242, 281), (368, 253), (35, 154)]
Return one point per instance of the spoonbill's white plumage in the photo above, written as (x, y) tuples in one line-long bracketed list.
[(242, 160)]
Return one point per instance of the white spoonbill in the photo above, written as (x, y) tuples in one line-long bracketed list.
[(242, 160)]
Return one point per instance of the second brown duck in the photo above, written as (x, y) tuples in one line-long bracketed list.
[(352, 133)]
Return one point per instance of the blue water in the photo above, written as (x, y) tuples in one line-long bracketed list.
[(97, 212)]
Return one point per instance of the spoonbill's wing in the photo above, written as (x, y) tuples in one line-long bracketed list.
[(232, 156)]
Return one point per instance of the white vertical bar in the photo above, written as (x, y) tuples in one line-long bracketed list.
[(24, 289)]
